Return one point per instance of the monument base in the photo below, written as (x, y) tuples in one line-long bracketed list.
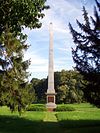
[(51, 106), (51, 101)]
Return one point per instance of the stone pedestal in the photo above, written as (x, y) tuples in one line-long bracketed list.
[(50, 101)]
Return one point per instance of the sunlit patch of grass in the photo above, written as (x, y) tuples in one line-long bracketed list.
[(85, 118)]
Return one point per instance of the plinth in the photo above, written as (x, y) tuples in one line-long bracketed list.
[(50, 101)]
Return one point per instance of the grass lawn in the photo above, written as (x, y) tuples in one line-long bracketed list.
[(29, 122), (85, 118)]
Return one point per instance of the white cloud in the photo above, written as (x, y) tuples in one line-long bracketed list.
[(41, 68), (37, 63), (60, 14)]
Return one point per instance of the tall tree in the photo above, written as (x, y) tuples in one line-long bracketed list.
[(14, 86), (15, 16), (86, 55)]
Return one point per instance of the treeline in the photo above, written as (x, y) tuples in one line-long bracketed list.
[(69, 86)]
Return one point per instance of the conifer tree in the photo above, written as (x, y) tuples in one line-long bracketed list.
[(86, 55)]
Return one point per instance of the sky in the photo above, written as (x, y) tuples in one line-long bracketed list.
[(61, 12)]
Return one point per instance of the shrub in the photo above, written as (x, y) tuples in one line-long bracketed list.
[(64, 108), (36, 107)]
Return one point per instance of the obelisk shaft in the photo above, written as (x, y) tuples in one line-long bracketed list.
[(51, 63), (51, 91)]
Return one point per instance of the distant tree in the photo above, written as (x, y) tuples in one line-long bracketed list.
[(40, 87), (62, 93), (67, 85), (86, 55)]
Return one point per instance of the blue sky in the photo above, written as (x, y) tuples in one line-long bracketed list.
[(61, 12)]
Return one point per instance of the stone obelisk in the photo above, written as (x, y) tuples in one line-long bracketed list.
[(51, 91)]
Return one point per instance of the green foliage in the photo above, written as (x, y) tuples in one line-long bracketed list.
[(62, 92), (86, 55), (68, 85), (19, 14), (36, 107), (62, 107), (13, 85), (15, 90), (40, 87)]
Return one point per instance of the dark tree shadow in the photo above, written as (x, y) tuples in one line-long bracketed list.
[(81, 126), (12, 124)]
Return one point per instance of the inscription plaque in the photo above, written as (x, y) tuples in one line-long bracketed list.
[(51, 99)]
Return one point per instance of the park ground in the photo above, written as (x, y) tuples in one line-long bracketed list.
[(85, 119)]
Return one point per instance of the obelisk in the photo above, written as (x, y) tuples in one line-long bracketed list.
[(51, 91)]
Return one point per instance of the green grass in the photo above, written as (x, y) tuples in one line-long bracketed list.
[(50, 117), (29, 122), (85, 118)]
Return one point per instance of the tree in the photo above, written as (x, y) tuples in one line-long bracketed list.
[(86, 55), (62, 93), (15, 16), (14, 87), (18, 14), (40, 87)]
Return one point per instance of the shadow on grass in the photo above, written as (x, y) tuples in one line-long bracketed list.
[(81, 126), (11, 124)]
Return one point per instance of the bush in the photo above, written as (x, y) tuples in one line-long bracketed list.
[(36, 107), (64, 108)]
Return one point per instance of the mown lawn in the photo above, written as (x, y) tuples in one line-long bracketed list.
[(29, 122), (85, 119)]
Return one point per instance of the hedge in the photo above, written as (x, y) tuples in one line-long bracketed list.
[(36, 107), (64, 108)]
